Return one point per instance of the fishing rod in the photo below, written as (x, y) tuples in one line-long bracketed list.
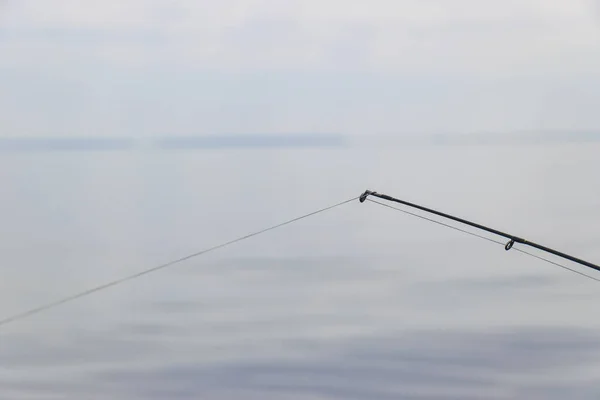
[(512, 239)]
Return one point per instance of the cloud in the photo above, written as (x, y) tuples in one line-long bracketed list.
[(328, 66), (408, 35)]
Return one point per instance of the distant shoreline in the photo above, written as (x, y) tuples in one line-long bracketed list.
[(288, 141)]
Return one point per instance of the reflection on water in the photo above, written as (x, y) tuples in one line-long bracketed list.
[(427, 365), (359, 303), (539, 363)]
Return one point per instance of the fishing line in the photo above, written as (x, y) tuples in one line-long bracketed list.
[(437, 222), (107, 285), (484, 238), (558, 264)]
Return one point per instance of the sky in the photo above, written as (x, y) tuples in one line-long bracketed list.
[(156, 68)]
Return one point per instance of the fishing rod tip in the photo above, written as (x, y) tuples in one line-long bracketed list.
[(364, 196)]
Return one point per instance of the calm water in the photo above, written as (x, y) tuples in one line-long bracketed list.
[(359, 303)]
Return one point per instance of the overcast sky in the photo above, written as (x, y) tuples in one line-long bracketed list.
[(141, 67)]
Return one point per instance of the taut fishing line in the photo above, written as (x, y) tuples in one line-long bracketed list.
[(107, 285)]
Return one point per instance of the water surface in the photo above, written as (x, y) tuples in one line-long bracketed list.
[(359, 303)]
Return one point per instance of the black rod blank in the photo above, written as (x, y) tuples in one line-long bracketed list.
[(512, 238)]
